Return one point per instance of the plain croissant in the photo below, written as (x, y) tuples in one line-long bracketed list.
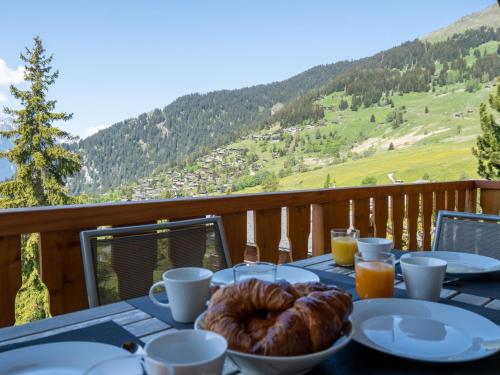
[(278, 319)]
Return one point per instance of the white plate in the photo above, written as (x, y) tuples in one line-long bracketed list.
[(461, 263), (290, 274), (253, 364), (68, 358), (424, 331)]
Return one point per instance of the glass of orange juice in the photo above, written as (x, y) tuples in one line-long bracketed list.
[(344, 246), (374, 275)]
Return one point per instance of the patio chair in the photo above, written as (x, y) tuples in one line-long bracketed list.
[(122, 263), (468, 233)]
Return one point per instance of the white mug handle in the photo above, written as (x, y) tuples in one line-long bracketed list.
[(152, 296)]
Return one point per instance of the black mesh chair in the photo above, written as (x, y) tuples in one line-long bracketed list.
[(468, 233), (122, 263)]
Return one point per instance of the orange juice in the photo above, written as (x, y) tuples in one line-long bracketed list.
[(374, 279), (343, 250)]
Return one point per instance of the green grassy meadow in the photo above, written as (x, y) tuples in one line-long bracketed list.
[(440, 162), (435, 145)]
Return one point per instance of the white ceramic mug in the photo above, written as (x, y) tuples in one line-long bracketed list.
[(187, 352), (423, 277), (187, 291)]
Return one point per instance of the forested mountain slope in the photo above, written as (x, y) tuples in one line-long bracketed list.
[(189, 126), (410, 67)]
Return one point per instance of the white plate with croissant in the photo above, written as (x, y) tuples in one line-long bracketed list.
[(279, 328), (290, 274)]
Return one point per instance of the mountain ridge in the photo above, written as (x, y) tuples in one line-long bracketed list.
[(489, 16)]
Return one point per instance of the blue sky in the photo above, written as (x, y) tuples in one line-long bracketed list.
[(118, 59)]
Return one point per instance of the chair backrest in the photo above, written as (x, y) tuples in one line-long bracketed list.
[(468, 233), (122, 263)]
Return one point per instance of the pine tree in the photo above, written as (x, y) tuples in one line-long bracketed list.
[(42, 167), (328, 181), (271, 183), (372, 118), (426, 109), (343, 104), (42, 164), (391, 146), (355, 103), (369, 181), (488, 144)]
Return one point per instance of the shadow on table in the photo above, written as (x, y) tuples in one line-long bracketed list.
[(356, 359)]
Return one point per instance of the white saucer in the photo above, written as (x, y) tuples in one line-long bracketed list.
[(464, 264), (424, 331), (290, 274), (68, 358)]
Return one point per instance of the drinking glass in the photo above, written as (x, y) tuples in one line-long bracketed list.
[(374, 275), (344, 246), (255, 270), (130, 365)]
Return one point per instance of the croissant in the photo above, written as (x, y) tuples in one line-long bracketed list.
[(278, 319)]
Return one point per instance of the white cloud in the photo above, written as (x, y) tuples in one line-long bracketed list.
[(10, 76), (94, 129)]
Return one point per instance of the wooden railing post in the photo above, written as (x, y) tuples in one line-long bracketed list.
[(267, 227), (10, 277), (461, 200), (450, 200), (490, 201), (381, 214), (398, 215), (298, 229), (440, 201), (62, 271), (471, 200), (427, 205), (361, 208), (317, 229), (235, 229), (490, 196), (413, 211), (326, 217)]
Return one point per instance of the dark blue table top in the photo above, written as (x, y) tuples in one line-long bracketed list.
[(357, 359)]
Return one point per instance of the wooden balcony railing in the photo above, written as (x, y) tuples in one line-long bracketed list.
[(405, 212)]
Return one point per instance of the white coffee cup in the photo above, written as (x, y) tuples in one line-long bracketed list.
[(423, 277), (187, 352), (374, 245), (187, 291)]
